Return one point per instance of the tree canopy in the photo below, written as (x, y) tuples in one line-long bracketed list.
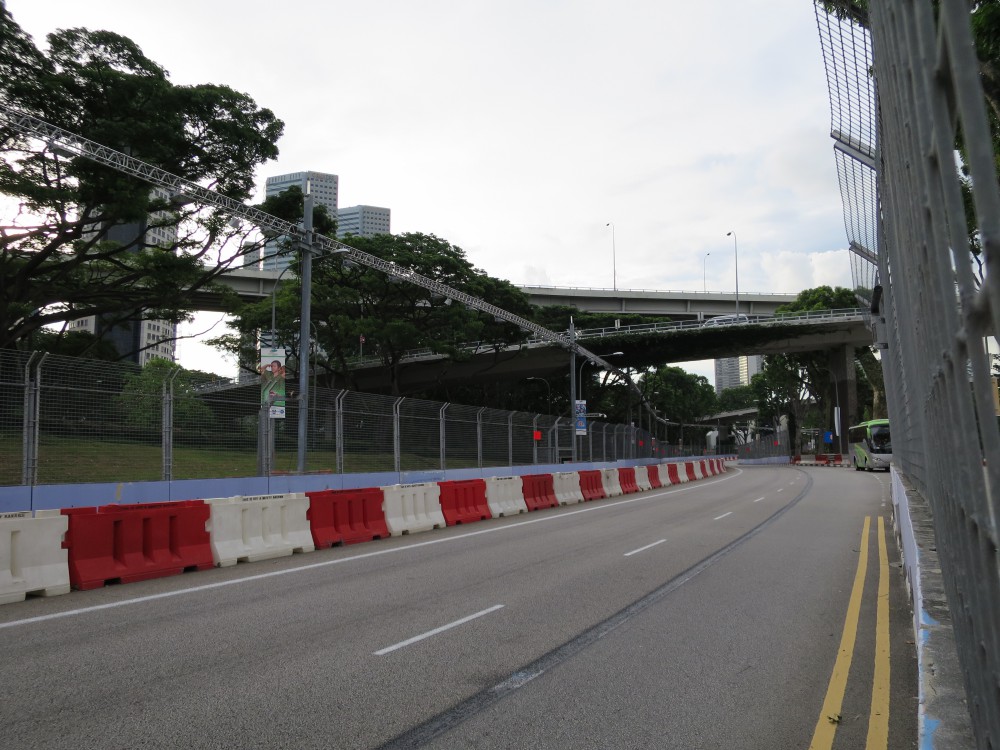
[(59, 261), (358, 311)]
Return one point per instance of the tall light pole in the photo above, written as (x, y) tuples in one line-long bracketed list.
[(584, 364), (305, 276), (736, 259), (704, 271), (547, 388), (614, 270)]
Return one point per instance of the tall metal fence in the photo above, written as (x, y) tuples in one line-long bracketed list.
[(68, 420), (933, 282)]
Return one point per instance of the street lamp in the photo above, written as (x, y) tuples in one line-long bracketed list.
[(614, 270), (584, 363), (704, 266), (548, 387), (736, 260)]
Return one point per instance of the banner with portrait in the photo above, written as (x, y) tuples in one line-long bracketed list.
[(272, 381)]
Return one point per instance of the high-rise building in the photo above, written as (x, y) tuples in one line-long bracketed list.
[(324, 188), (733, 372), (363, 221), (137, 340)]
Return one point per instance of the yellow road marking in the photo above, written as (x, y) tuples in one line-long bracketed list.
[(829, 715), (878, 719)]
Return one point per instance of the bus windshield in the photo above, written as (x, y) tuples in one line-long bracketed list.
[(880, 442)]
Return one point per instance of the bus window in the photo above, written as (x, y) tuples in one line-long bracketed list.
[(881, 442)]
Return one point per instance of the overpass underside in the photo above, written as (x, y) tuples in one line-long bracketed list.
[(641, 350)]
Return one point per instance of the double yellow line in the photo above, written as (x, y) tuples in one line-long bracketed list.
[(878, 717)]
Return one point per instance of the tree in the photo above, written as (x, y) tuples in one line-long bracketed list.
[(142, 396), (57, 262), (392, 316), (734, 399)]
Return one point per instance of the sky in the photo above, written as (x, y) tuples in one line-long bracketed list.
[(519, 130)]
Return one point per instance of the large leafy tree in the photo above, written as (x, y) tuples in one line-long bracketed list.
[(61, 259), (358, 310)]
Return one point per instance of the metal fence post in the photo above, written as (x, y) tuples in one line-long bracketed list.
[(338, 421), (396, 446), (167, 426), (479, 437), (534, 440), (30, 424), (442, 436)]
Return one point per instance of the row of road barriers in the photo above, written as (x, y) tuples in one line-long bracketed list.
[(48, 552)]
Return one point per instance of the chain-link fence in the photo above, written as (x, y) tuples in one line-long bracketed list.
[(933, 280), (65, 420)]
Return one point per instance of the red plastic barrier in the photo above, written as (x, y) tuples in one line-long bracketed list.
[(673, 475), (129, 543), (346, 516), (626, 478), (464, 501), (591, 485), (653, 471), (689, 467), (539, 491)]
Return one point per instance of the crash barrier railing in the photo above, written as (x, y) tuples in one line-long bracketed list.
[(66, 420), (48, 552), (916, 150)]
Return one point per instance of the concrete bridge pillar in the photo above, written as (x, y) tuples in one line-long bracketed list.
[(844, 383)]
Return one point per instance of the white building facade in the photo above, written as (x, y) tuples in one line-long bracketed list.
[(363, 221), (325, 190), (733, 372)]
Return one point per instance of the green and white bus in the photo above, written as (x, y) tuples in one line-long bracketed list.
[(870, 445)]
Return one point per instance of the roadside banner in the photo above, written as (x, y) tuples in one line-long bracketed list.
[(272, 381)]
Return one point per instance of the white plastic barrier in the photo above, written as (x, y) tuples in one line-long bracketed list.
[(32, 560), (699, 472), (682, 471), (612, 484), (505, 496), (642, 478), (665, 474), (413, 507), (247, 528), (566, 485)]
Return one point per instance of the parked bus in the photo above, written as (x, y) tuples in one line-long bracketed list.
[(870, 445)]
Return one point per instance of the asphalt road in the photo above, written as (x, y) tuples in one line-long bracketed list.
[(708, 615)]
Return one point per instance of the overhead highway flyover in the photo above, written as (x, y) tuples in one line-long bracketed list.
[(642, 345), (253, 284), (760, 608)]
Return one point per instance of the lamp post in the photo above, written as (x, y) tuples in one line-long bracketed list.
[(548, 388), (736, 260), (704, 271), (584, 364), (614, 270)]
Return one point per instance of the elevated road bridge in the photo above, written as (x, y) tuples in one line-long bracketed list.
[(642, 345), (252, 284)]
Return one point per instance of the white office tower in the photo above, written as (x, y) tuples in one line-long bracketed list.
[(363, 221), (324, 190), (733, 372)]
